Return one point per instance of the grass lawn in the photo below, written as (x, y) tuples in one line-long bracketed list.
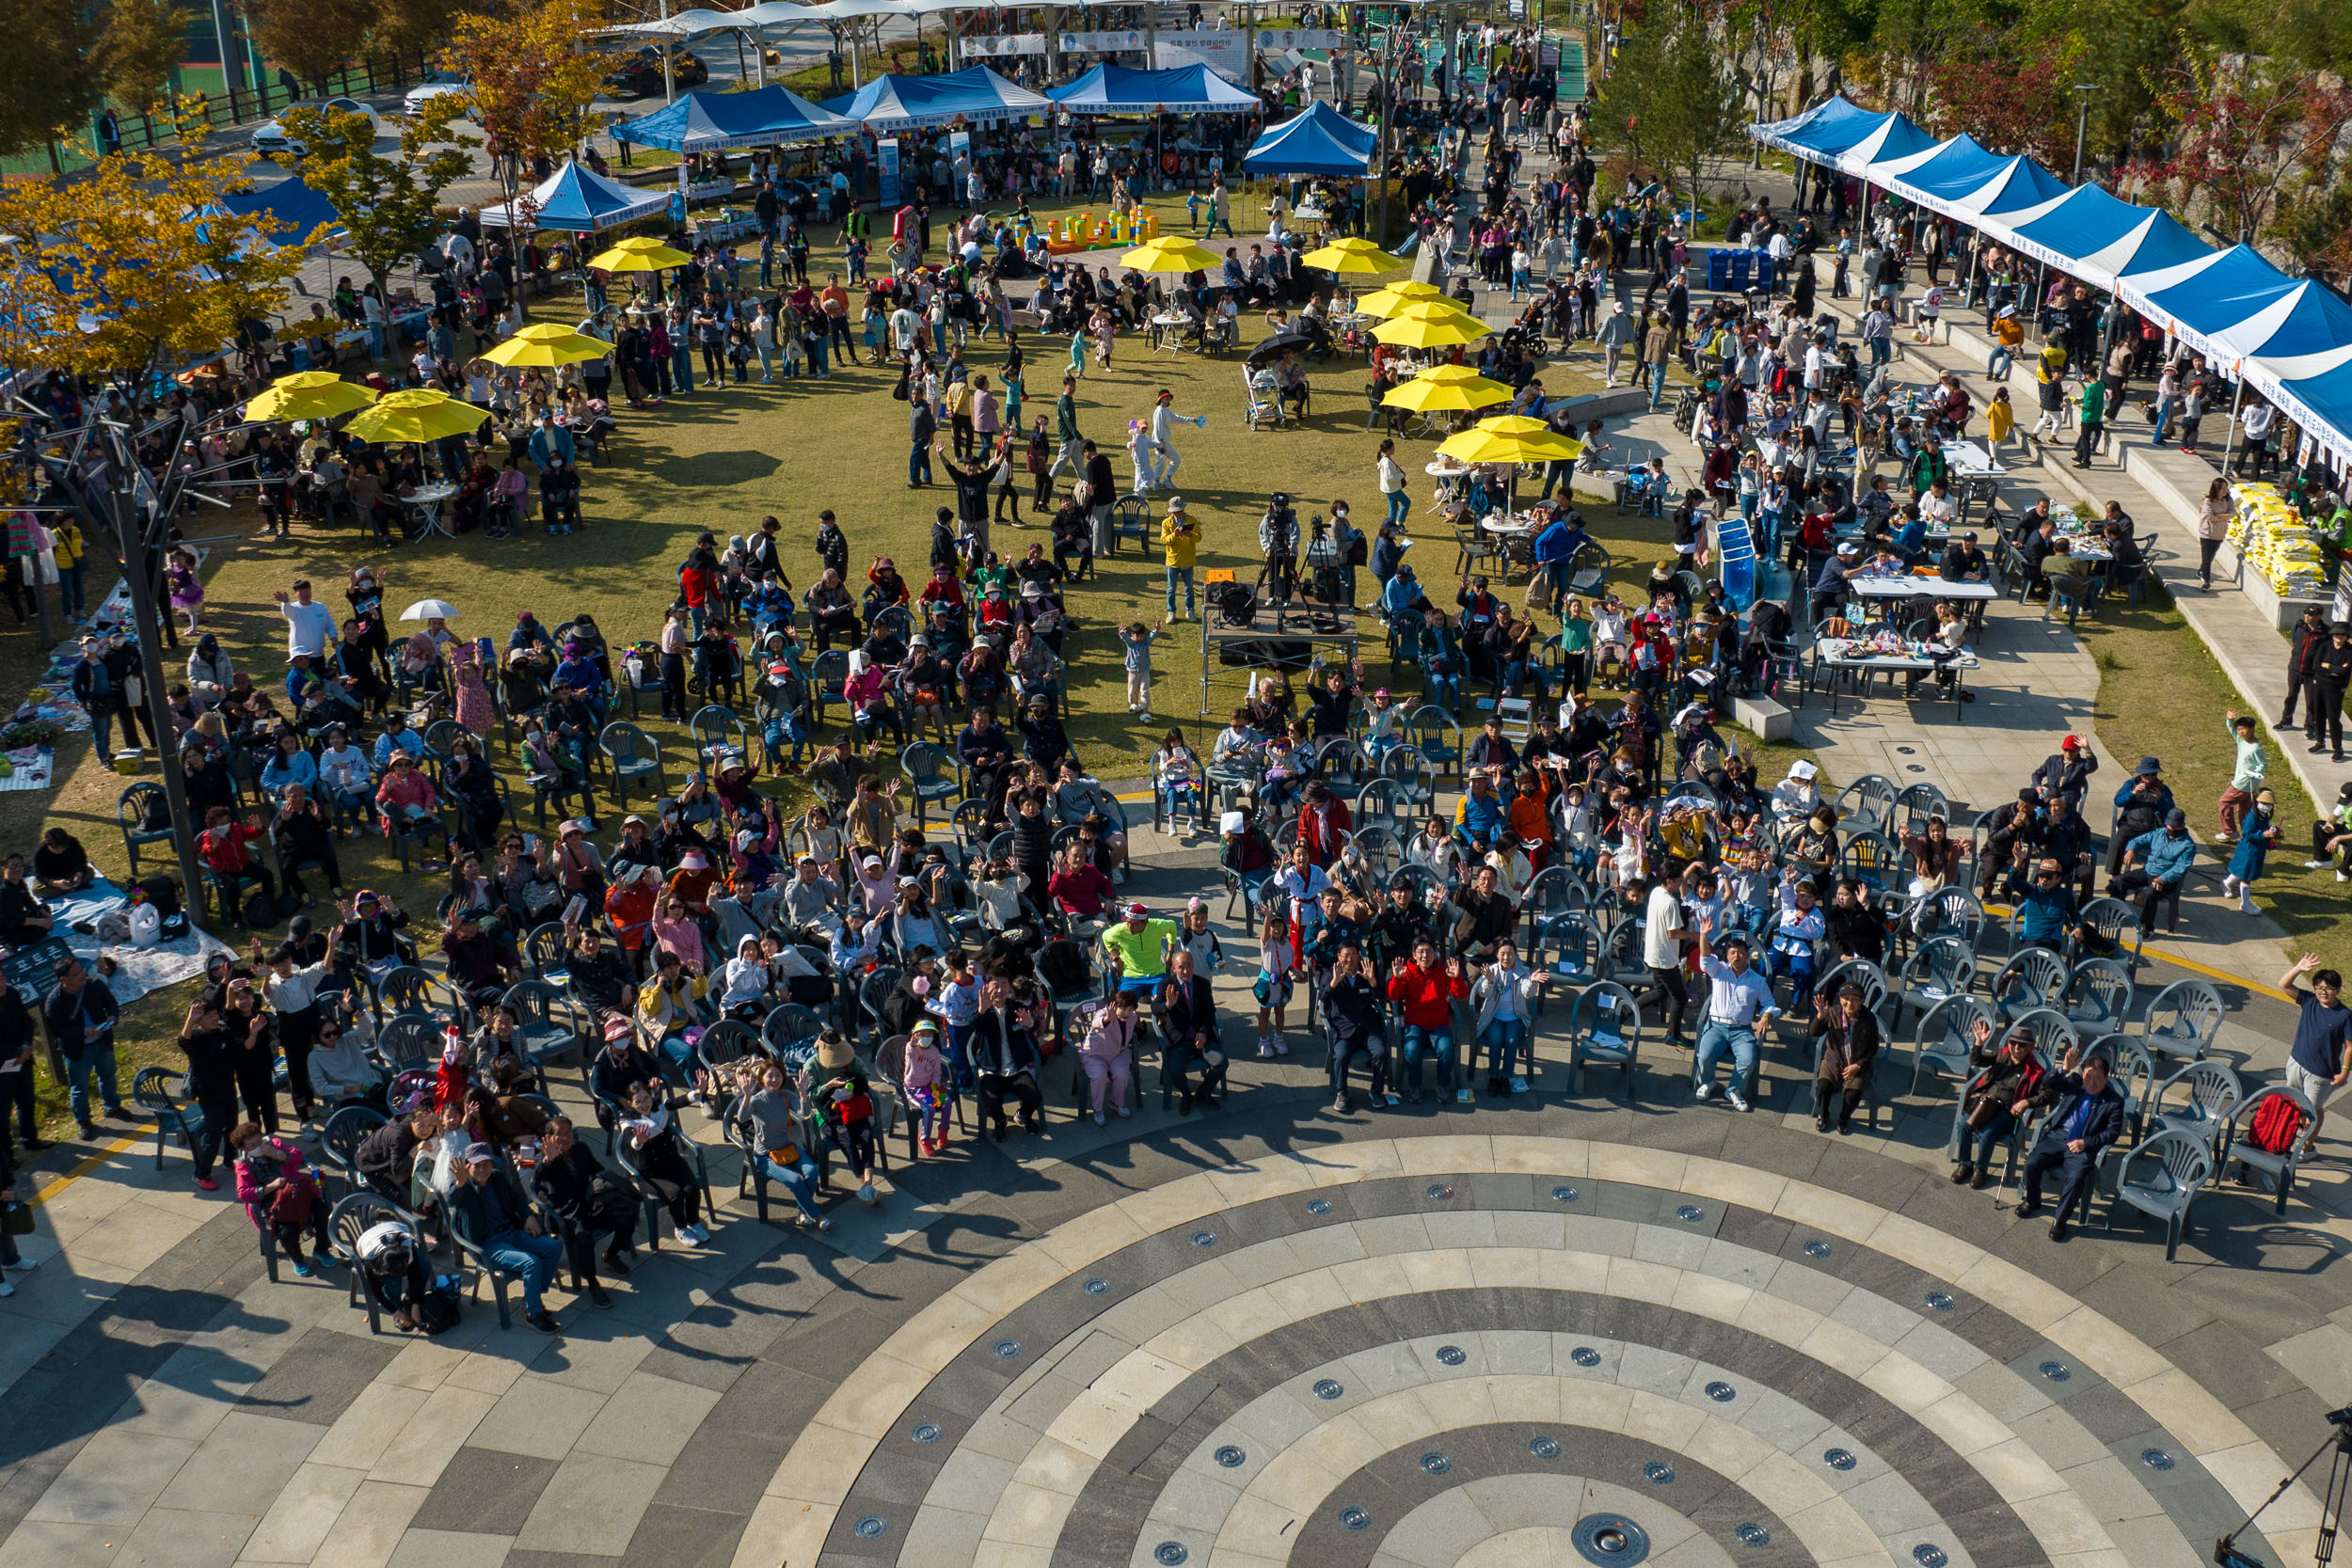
[(723, 460), (2162, 694)]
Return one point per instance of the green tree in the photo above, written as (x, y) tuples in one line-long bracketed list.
[(385, 202), (1669, 100), (46, 89)]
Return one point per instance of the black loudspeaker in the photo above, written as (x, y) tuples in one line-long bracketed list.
[(1276, 653)]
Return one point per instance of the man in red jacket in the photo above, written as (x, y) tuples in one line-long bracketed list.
[(1424, 993), (698, 580)]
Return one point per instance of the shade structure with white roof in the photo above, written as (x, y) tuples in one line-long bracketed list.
[(578, 199), (707, 121), (2289, 339), (974, 96), (1320, 141), (1111, 90)]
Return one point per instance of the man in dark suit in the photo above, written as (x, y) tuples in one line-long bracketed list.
[(1004, 1056), (2088, 1118), (1186, 1009)]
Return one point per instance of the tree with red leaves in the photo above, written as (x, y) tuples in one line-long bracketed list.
[(2009, 93), (2250, 138)]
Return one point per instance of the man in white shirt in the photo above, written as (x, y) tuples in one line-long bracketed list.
[(1662, 936), (309, 627), (1738, 1000)]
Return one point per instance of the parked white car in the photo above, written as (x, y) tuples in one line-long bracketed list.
[(433, 86), (270, 137)]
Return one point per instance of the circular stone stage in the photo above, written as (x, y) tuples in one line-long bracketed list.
[(1443, 1351)]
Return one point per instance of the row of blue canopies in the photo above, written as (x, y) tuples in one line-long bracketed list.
[(2289, 339)]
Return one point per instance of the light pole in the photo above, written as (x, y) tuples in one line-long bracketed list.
[(2082, 91)]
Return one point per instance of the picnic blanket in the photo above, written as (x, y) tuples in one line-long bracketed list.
[(33, 768), (137, 970)]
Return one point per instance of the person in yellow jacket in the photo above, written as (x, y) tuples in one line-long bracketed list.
[(1179, 536), (2000, 419), (70, 552)]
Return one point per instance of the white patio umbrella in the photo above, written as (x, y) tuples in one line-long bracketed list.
[(427, 610)]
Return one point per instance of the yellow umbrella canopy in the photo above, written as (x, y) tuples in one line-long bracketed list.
[(419, 414), (1395, 297), (640, 253), (1431, 324), (1170, 253), (547, 346), (308, 395), (1352, 254), (1510, 438), (1447, 387)]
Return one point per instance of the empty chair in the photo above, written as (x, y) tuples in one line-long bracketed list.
[(2032, 979), (548, 1024), (1945, 1033), (2098, 995), (155, 1091), (2182, 1019), (1554, 891), (2161, 1178), (1381, 801), (1605, 1031), (1951, 912), (1938, 970), (1622, 959), (340, 1140), (144, 814), (2116, 923), (2196, 1100), (788, 1031), (1868, 805), (2264, 1137), (716, 729), (408, 1040), (925, 767), (634, 755), (1568, 948), (1415, 776), (1437, 734)]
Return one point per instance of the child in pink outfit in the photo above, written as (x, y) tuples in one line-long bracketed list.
[(925, 1081)]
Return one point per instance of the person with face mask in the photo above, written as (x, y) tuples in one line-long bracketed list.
[(2155, 865)]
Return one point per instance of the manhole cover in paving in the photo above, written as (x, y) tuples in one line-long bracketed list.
[(1722, 1393), (872, 1525), (1753, 1535), (2156, 1459), (1435, 1464), (2056, 1372), (1319, 1206), (1170, 1552), (927, 1433), (1440, 1192), (1658, 1473), (1927, 1555), (1611, 1541), (1585, 1355), (1544, 1447), (1941, 1301), (1452, 1356), (1354, 1518), (1096, 1286), (1564, 1194), (1691, 1214), (1838, 1459), (1204, 1238), (1330, 1388), (1815, 1250), (1007, 1350), (1231, 1457)]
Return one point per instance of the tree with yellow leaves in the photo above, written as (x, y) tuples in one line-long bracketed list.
[(137, 266), (533, 71)]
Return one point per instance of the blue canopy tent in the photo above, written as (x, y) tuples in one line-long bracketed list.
[(709, 121), (2228, 290), (2023, 192), (975, 95), (2095, 235), (1894, 147), (579, 199), (292, 203), (1111, 90), (1959, 170), (1320, 141), (2320, 401), (1818, 136)]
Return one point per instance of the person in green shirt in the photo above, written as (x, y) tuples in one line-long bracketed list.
[(1137, 949), (1576, 643), (1927, 465), (2093, 410)]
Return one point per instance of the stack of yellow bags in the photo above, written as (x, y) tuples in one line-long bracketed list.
[(2272, 537)]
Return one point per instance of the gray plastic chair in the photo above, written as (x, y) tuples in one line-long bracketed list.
[(1868, 805), (2213, 1092), (1945, 1034), (1855, 971), (1938, 970), (634, 755), (2279, 1166), (2119, 923), (2161, 1178), (2034, 980), (2182, 1019), (1605, 1031), (2132, 1071), (2054, 1033), (2098, 996)]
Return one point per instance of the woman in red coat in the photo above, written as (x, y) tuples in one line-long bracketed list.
[(1423, 992)]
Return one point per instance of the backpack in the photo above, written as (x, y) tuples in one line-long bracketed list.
[(438, 1310), (2275, 1125)]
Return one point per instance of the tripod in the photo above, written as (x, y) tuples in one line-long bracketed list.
[(2332, 1500)]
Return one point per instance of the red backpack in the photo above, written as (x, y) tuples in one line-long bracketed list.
[(2275, 1122)]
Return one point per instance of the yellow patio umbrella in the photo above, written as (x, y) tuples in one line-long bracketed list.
[(1511, 438), (547, 343), (1431, 324), (1170, 253), (419, 414), (640, 253), (308, 395), (1447, 387), (1388, 300), (1352, 254)]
